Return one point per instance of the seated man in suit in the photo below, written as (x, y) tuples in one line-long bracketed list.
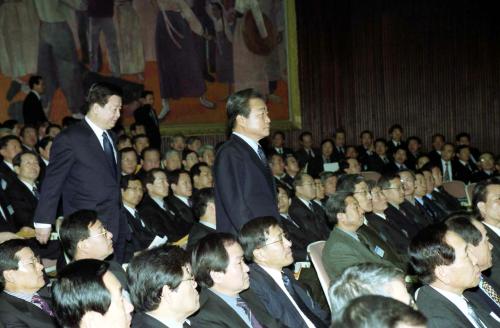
[(84, 237), (410, 205), (366, 148), (438, 141), (206, 154), (414, 151), (306, 154), (155, 212), (378, 160), (140, 142), (350, 166), (10, 146), (345, 247), (395, 137), (485, 200), (172, 160), (128, 160), (306, 213), (444, 264), (464, 166), (486, 167), (204, 210), (23, 300), (367, 279), (43, 148), (23, 191), (277, 165), (463, 139), (266, 244), (397, 164), (87, 294), (193, 143), (201, 176), (380, 222), (225, 299), (329, 182), (356, 184), (435, 191), (179, 200), (379, 311), (428, 207), (291, 169), (474, 233), (278, 145), (142, 236), (28, 137), (446, 164), (189, 159), (150, 159), (162, 288), (392, 189)]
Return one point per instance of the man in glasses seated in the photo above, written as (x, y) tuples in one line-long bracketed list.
[(23, 300)]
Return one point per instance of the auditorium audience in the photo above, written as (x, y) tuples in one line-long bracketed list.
[(189, 159), (179, 200), (128, 160), (24, 301), (139, 142), (225, 298), (28, 138), (267, 247), (201, 176)]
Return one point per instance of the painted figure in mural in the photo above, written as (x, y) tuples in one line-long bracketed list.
[(179, 69), (129, 38), (100, 14), (57, 57)]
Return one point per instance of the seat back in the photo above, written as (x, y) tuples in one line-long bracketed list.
[(455, 188), (315, 251), (371, 175), (470, 190)]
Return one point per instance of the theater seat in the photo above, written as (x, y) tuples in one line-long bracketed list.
[(315, 251)]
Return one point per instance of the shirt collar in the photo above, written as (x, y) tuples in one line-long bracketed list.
[(24, 296), (351, 234), (183, 199), (169, 323), (9, 165), (492, 227), (97, 130), (28, 185), (130, 209), (208, 224), (252, 143), (382, 215), (159, 201), (36, 93)]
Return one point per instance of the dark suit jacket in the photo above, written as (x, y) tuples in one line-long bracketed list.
[(441, 313), (141, 236), (342, 251), (481, 175), (24, 203), (445, 200), (182, 211), (392, 168), (286, 151), (435, 157), (463, 172), (7, 174), (375, 163), (160, 221), (33, 110), (478, 296), (388, 232), (6, 223), (244, 187), (143, 320), (215, 312), (420, 218), (303, 157), (401, 221), (80, 172), (198, 231), (146, 116), (494, 272), (316, 165), (299, 238), (311, 223), (277, 302), (15, 312)]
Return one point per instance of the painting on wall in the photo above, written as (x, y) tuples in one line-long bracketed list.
[(191, 53)]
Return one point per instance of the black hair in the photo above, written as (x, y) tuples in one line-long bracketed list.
[(99, 93), (253, 235), (75, 228), (34, 79), (8, 258), (200, 200), (238, 104)]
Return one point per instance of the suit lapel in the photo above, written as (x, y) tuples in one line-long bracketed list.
[(255, 158), (97, 151), (225, 309)]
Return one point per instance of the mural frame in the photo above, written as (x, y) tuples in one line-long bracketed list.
[(294, 120)]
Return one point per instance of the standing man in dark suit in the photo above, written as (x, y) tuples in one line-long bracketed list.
[(268, 247), (83, 170), (146, 115), (32, 106), (225, 298), (443, 263), (23, 302), (244, 185)]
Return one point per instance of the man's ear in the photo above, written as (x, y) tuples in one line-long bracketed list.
[(341, 217), (240, 120), (481, 206), (216, 276), (442, 273), (9, 275)]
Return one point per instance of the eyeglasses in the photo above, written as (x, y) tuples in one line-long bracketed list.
[(105, 233), (282, 237), (395, 188), (364, 192)]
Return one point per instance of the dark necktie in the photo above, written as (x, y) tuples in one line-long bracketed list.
[(302, 306), (364, 241), (253, 320), (289, 218), (447, 172), (38, 301), (262, 156), (108, 150), (35, 192), (137, 217)]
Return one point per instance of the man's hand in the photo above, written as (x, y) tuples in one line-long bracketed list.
[(43, 235)]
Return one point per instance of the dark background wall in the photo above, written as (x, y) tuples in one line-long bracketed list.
[(431, 66)]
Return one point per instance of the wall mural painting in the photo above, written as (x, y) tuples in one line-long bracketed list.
[(191, 53)]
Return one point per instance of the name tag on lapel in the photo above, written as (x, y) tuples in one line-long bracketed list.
[(379, 251), (10, 209)]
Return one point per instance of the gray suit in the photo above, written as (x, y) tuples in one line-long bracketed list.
[(342, 251)]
